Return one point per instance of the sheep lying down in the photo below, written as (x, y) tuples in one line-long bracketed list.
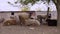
[(28, 21), (24, 18), (9, 22), (32, 22)]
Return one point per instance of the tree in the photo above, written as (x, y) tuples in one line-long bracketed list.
[(28, 1), (24, 3), (57, 3), (58, 10)]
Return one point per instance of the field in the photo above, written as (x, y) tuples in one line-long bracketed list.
[(17, 29)]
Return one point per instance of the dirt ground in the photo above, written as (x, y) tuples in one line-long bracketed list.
[(17, 29)]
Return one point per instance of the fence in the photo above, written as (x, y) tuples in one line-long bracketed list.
[(7, 14)]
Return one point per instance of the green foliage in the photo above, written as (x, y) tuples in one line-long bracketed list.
[(25, 9), (55, 1), (28, 1)]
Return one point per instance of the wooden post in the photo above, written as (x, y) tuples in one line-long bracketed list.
[(48, 9)]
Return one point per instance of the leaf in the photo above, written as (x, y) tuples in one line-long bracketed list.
[(28, 1)]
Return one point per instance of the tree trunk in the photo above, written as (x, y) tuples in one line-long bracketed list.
[(58, 12), (57, 3)]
